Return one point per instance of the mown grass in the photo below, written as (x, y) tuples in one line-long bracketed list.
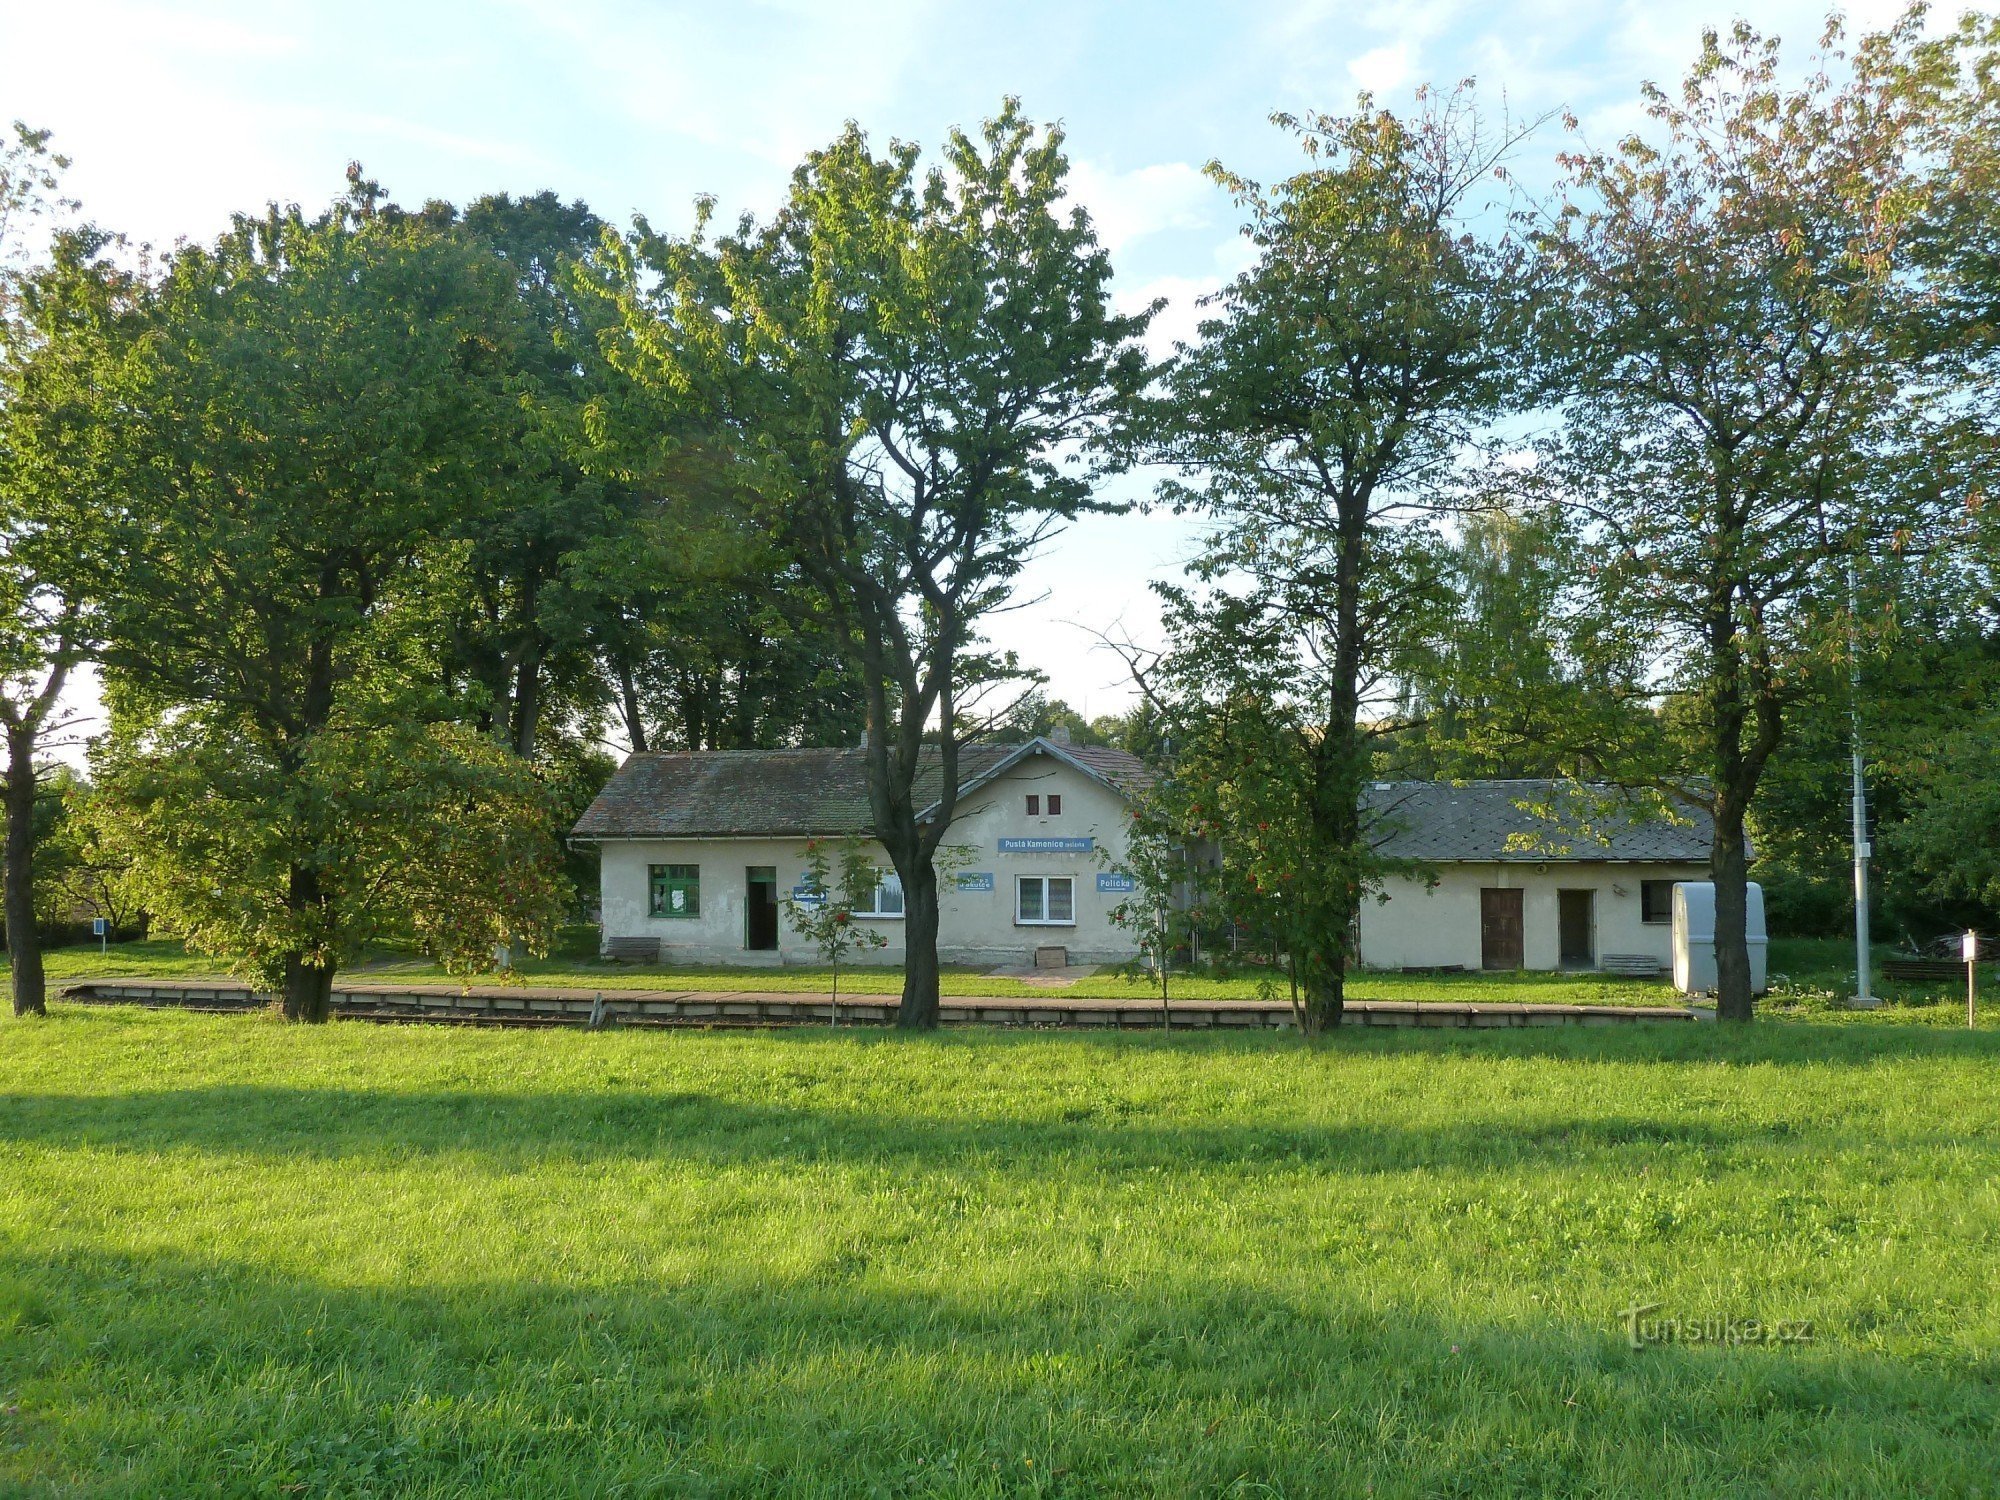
[(238, 1258)]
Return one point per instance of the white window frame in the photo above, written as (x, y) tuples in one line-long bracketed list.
[(1045, 882), (874, 912)]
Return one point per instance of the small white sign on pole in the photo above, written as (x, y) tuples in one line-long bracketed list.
[(1969, 946)]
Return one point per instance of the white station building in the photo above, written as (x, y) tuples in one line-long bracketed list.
[(697, 852)]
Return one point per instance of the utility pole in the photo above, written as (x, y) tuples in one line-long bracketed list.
[(1863, 1000)]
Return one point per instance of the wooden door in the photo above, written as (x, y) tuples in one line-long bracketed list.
[(1500, 929), (1576, 926)]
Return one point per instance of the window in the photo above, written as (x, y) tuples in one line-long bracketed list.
[(1055, 803), (1045, 901), (676, 890), (1034, 805), (1656, 901), (886, 899)]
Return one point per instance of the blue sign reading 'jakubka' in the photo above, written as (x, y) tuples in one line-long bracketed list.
[(1116, 884), (1047, 846), (976, 880)]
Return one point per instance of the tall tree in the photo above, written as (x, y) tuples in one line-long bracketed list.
[(1739, 396), (907, 367), (1322, 414), (58, 308), (1479, 697), (317, 403), (526, 633)]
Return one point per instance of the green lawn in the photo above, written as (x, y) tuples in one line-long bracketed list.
[(238, 1258), (1811, 974)]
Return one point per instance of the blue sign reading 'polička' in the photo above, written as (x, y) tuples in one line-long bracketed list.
[(976, 880), (1047, 846), (1115, 884)]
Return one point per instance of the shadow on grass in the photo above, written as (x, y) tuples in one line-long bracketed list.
[(162, 1375), (1110, 1136)]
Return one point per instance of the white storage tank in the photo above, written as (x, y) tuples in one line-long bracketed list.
[(1694, 936)]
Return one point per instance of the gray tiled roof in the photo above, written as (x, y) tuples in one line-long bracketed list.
[(1530, 821), (785, 793)]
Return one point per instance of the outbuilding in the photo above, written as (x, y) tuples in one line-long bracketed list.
[(698, 852), (1527, 874)]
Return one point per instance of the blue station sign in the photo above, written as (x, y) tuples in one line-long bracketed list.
[(1047, 846)]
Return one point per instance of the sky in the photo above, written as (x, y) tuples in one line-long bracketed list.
[(177, 114)]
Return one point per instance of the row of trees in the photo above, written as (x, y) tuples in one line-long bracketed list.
[(1754, 345), (371, 520)]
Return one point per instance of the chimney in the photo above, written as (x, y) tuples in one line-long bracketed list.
[(1059, 735)]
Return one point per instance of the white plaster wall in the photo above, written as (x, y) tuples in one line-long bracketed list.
[(1415, 926), (973, 927)]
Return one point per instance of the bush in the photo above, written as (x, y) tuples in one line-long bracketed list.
[(577, 941), (1797, 905)]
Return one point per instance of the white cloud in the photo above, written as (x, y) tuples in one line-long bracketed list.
[(1382, 69), (816, 65), (1179, 319), (1126, 206)]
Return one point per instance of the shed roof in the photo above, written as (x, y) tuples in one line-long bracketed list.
[(1530, 821), (797, 793)]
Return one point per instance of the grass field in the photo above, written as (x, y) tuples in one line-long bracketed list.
[(1809, 973), (238, 1258)]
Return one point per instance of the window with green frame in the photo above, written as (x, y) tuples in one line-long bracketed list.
[(676, 890)]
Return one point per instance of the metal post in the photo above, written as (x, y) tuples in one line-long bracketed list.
[(1863, 1000), (1969, 946)]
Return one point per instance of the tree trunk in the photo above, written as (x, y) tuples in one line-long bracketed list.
[(308, 986), (1726, 867), (1326, 997), (24, 943), (527, 704), (308, 990), (628, 699), (920, 954)]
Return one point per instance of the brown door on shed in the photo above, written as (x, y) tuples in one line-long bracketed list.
[(760, 908), (1576, 927), (1499, 929)]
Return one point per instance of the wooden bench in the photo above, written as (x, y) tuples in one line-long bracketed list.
[(1633, 965), (1920, 969), (632, 950)]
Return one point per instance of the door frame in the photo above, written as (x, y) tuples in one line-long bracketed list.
[(751, 880), (1588, 894)]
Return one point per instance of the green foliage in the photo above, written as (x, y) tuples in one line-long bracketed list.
[(1495, 689), (426, 834), (1741, 411), (31, 201), (429, 1260), (58, 414), (1164, 911), (839, 880), (895, 378), (311, 433), (1325, 411)]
